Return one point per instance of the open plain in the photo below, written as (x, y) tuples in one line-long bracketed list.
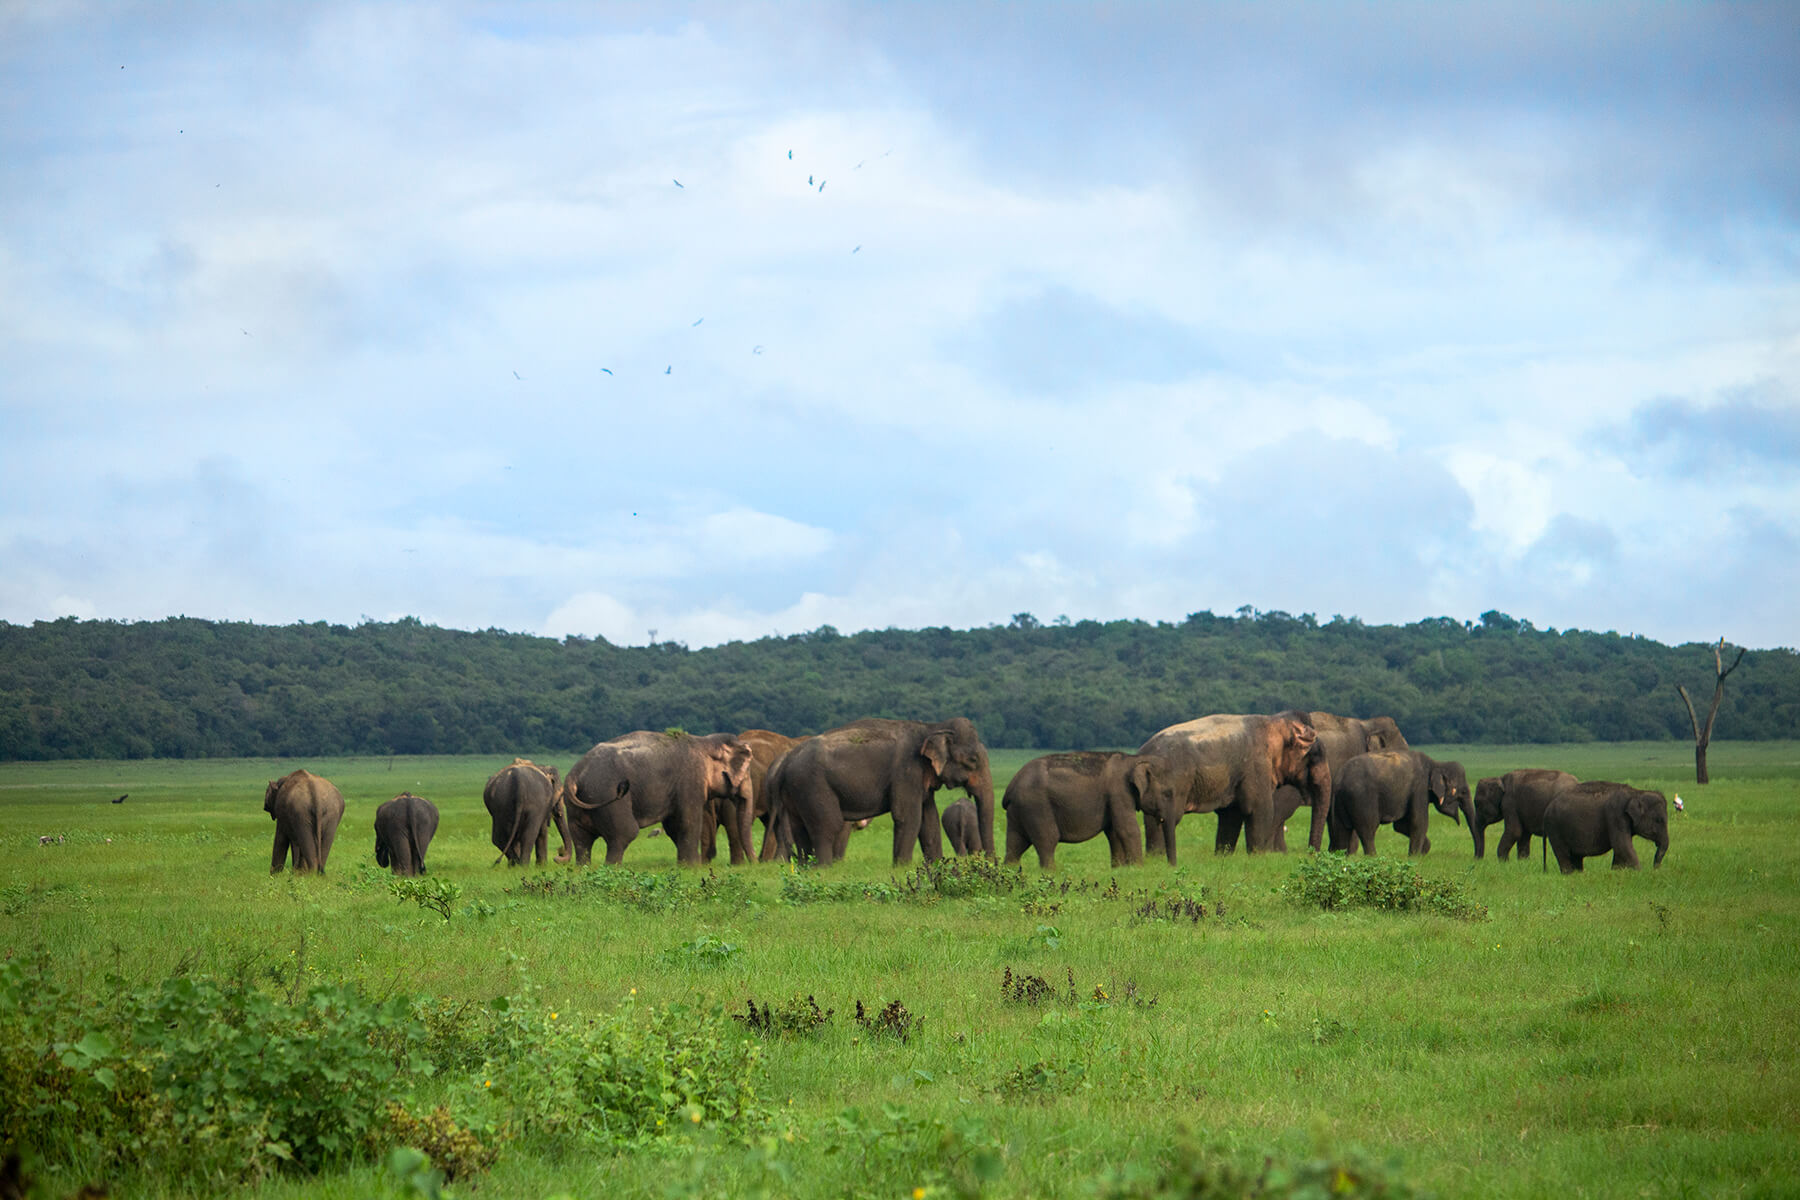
[(1601, 1034)]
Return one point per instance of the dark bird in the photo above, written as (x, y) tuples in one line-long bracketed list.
[(790, 156), (854, 251), (245, 332), (121, 799), (669, 370), (677, 183), (518, 377), (809, 181), (821, 185), (608, 370), (697, 322)]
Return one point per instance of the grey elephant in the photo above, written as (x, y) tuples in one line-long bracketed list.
[(306, 810), (1591, 818), (1235, 761), (648, 778), (1058, 798), (765, 747), (404, 827), (1313, 790), (861, 770), (522, 799), (1340, 739), (1519, 799), (1397, 787), (962, 828)]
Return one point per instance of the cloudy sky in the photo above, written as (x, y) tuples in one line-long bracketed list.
[(739, 319)]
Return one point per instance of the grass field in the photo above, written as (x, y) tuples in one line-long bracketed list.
[(1604, 1034)]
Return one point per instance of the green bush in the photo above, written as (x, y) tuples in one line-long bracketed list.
[(1336, 881), (623, 1079)]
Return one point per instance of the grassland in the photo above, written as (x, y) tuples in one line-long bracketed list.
[(1605, 1034)]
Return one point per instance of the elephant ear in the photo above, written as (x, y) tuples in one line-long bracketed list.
[(269, 795), (552, 776), (936, 751), (1639, 808), (1141, 781), (381, 851)]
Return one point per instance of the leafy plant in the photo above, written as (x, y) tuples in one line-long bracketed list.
[(1041, 1079), (433, 893), (893, 1021), (800, 1016), (1197, 1175), (1338, 881), (956, 878), (702, 951), (454, 1149)]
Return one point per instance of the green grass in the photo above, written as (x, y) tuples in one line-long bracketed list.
[(1611, 1033)]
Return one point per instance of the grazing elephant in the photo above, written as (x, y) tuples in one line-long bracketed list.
[(404, 827), (1396, 787), (1592, 818), (1229, 761), (869, 767), (1518, 798), (522, 799), (963, 827), (1060, 798), (306, 810), (647, 778)]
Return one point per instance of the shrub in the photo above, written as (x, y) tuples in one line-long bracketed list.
[(703, 951), (800, 1016), (452, 1148), (958, 878), (623, 1079), (893, 1021), (1201, 1176), (1336, 881)]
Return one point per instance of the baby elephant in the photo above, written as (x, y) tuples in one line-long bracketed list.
[(1518, 798), (962, 827), (1592, 818), (1073, 797), (403, 829)]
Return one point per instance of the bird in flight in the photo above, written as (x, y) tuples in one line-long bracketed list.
[(821, 185), (697, 322), (677, 183), (790, 156), (518, 377), (854, 251), (669, 370), (809, 181), (756, 350), (608, 370)]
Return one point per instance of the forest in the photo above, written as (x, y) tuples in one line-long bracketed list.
[(190, 688)]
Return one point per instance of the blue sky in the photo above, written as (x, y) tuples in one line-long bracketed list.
[(317, 312)]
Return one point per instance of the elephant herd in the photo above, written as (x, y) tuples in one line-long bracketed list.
[(809, 793)]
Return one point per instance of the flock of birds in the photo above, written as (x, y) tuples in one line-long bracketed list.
[(813, 183)]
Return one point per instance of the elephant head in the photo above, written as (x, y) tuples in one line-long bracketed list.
[(274, 790), (955, 757), (1381, 733), (1648, 815), (728, 763), (1449, 789), (1152, 788)]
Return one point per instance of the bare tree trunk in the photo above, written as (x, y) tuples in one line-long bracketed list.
[(1703, 737)]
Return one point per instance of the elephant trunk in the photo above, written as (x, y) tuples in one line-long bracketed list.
[(981, 789), (1662, 846), (1318, 791), (1479, 832)]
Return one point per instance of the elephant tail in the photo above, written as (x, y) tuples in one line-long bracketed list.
[(417, 834)]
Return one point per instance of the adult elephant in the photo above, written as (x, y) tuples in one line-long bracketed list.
[(765, 747), (874, 766), (1231, 760), (1340, 739), (1058, 798), (1343, 738), (1314, 790), (404, 827), (648, 778), (1397, 787), (306, 810), (1591, 818), (962, 828), (522, 799), (1518, 798)]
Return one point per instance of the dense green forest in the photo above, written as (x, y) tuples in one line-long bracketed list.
[(184, 688)]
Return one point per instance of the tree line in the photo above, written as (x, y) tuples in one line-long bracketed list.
[(190, 688)]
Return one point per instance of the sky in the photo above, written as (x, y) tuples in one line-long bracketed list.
[(709, 322)]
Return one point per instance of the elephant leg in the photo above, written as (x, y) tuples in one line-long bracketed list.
[(1016, 841), (1523, 846), (1231, 823), (734, 834), (617, 839), (1416, 841), (771, 845), (907, 823), (327, 835), (1511, 836), (282, 842), (931, 831)]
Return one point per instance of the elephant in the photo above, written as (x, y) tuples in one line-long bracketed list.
[(1518, 798), (1396, 787), (404, 827), (1058, 798), (872, 766), (1594, 817), (962, 825), (306, 810), (765, 747), (1317, 774), (1340, 740), (522, 798), (647, 778), (1237, 761)]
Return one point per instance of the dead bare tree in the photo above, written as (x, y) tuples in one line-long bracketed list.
[(1703, 737)]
